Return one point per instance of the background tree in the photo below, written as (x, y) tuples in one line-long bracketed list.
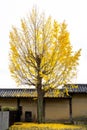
[(41, 55)]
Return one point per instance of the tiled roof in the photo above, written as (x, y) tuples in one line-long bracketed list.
[(21, 92), (17, 92), (27, 93), (81, 88)]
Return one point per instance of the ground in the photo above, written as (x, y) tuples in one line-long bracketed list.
[(49, 126)]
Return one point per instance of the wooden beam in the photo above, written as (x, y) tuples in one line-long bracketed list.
[(70, 110)]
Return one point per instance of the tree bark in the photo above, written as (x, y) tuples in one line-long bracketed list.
[(40, 94), (40, 107)]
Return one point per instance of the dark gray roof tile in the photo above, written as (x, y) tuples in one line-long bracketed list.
[(81, 88), (17, 92)]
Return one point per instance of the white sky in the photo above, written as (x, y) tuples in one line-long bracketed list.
[(74, 12)]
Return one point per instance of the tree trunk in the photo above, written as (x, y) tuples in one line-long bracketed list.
[(40, 107), (40, 94)]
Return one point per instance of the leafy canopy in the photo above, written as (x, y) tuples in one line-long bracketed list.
[(41, 52)]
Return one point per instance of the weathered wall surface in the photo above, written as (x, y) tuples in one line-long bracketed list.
[(79, 105), (29, 105), (55, 109), (8, 102)]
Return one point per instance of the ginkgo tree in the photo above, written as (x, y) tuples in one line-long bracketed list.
[(41, 55)]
